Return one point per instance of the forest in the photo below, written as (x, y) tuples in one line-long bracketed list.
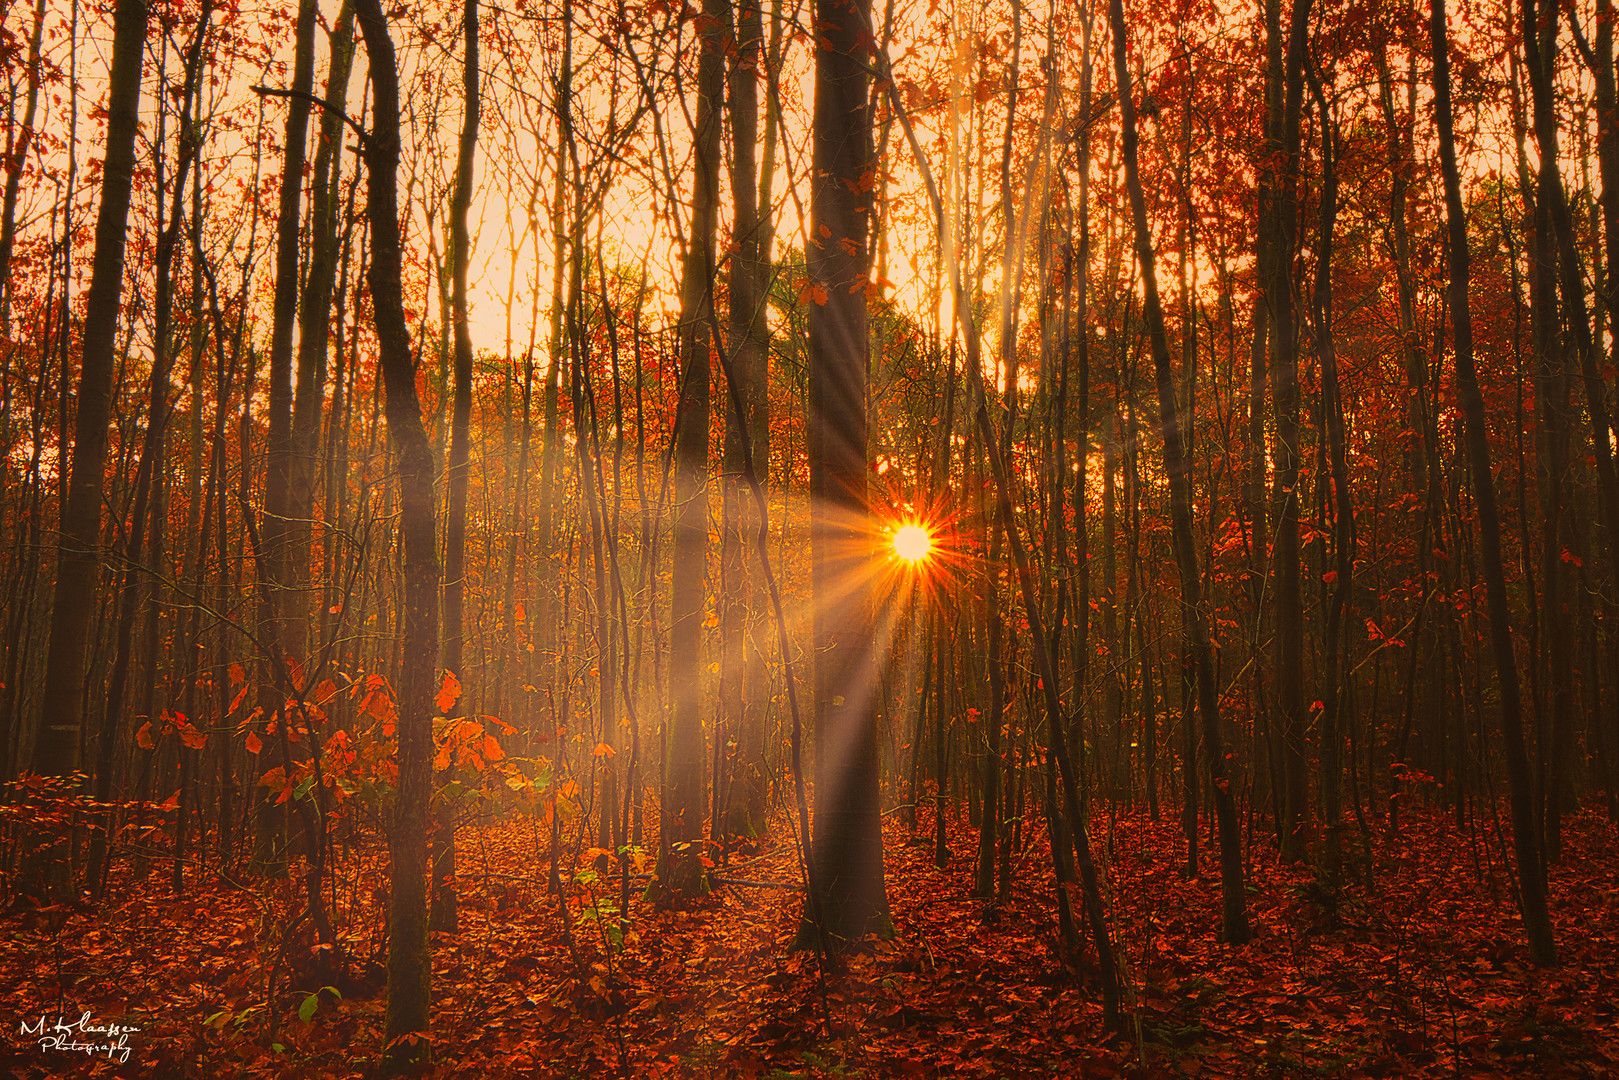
[(809, 538)]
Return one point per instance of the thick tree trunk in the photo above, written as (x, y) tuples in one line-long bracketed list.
[(848, 854)]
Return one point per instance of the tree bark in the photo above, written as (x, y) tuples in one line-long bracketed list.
[(1294, 822), (848, 853), (444, 915), (681, 870), (78, 565), (1526, 838), (1177, 454), (742, 707), (409, 954)]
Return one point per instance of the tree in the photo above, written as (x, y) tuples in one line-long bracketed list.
[(455, 541), (848, 852), (78, 558), (1234, 926), (1525, 836), (410, 968), (681, 869), (1294, 817), (748, 345), (286, 608)]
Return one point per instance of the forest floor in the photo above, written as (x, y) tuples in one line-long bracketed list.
[(1418, 970)]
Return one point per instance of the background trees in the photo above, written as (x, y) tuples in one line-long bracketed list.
[(1175, 330)]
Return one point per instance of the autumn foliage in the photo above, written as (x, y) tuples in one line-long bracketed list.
[(819, 539)]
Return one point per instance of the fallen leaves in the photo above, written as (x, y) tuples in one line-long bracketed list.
[(1421, 974)]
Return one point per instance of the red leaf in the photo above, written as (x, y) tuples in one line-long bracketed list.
[(449, 693), (190, 735)]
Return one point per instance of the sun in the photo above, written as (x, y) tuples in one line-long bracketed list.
[(912, 543)]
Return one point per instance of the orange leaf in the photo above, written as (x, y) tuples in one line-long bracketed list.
[(143, 737), (254, 743), (603, 750), (237, 675), (449, 693), (190, 735), (379, 702)]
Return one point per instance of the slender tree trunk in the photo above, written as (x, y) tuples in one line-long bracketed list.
[(284, 606), (1526, 838), (444, 914), (1295, 796), (1344, 535), (1254, 502), (315, 315), (78, 564), (1571, 279), (21, 142), (742, 707), (686, 796), (142, 511), (1177, 454), (409, 954)]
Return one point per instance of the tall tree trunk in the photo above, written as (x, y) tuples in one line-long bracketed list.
[(444, 916), (1295, 796), (409, 956), (285, 607), (1254, 502), (1178, 458), (1344, 535), (544, 619), (22, 140), (78, 562), (1571, 279), (848, 854), (158, 409), (681, 871), (315, 311), (742, 707), (1526, 838)]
